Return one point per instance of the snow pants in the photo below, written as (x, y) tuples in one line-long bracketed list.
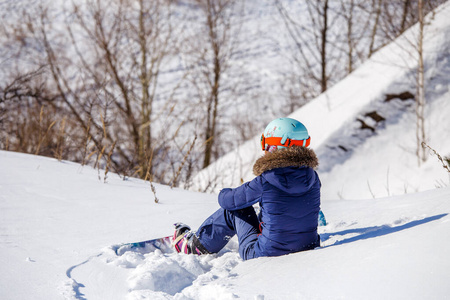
[(222, 225)]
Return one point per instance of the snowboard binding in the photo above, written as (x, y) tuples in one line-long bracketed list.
[(185, 241)]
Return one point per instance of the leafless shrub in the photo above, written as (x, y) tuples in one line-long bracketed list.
[(444, 161), (175, 179)]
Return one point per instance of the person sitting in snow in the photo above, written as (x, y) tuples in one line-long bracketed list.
[(288, 192)]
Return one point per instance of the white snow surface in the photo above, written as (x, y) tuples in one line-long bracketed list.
[(59, 223), (388, 232)]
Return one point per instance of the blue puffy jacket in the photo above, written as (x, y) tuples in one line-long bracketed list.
[(288, 192)]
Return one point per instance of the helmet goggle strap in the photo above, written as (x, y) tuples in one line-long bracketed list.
[(276, 141)]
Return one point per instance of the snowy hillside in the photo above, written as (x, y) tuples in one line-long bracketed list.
[(388, 231), (59, 222), (365, 163)]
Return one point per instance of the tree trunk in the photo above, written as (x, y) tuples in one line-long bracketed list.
[(420, 95), (323, 49), (406, 5), (145, 134), (374, 29), (214, 94)]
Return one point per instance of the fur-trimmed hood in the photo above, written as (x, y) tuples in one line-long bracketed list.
[(290, 157)]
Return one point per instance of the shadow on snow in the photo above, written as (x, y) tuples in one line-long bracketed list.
[(76, 285), (375, 231)]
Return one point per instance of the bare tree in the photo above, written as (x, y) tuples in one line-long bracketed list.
[(416, 43), (26, 121), (376, 8), (398, 16), (101, 74), (317, 54), (213, 54), (129, 44), (356, 22), (103, 71), (317, 34), (348, 15), (322, 20), (420, 93)]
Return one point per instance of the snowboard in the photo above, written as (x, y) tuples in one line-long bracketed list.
[(163, 244)]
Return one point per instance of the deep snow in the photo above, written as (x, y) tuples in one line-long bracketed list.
[(59, 223)]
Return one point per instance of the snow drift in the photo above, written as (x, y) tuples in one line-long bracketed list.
[(59, 223)]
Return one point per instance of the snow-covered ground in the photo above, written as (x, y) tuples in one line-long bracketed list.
[(59, 223), (388, 232)]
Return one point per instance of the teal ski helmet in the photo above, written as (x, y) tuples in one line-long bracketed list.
[(283, 133)]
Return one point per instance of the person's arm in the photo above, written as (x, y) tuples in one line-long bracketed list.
[(241, 197)]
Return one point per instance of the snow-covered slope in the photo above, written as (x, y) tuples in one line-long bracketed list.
[(59, 222), (374, 162), (57, 214)]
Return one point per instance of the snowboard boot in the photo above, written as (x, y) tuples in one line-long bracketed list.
[(185, 241)]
